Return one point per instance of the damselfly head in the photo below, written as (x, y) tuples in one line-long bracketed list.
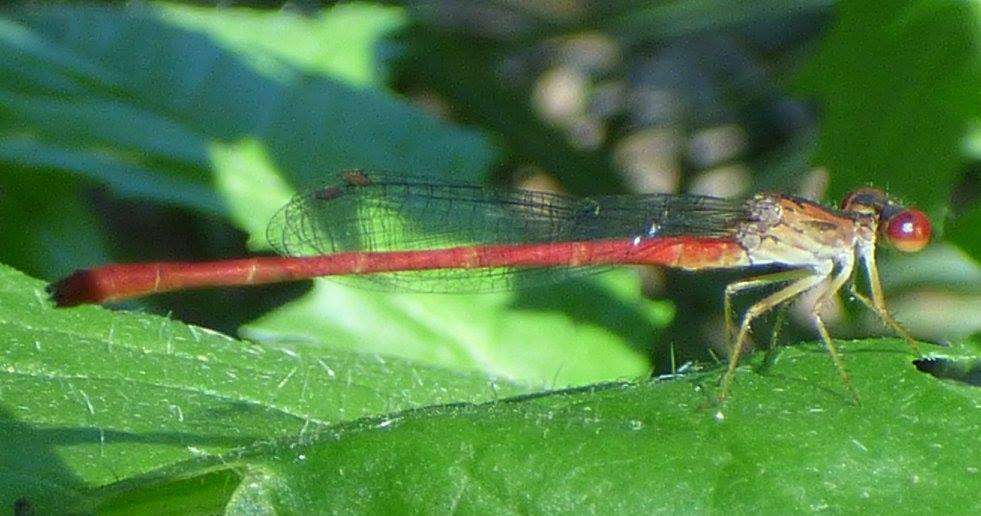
[(906, 229)]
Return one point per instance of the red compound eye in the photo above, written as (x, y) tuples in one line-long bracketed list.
[(908, 230)]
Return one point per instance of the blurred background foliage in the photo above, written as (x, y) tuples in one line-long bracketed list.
[(149, 131)]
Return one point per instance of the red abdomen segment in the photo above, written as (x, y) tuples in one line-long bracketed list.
[(693, 253), (125, 281)]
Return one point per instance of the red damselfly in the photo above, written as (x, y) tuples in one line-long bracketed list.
[(421, 234)]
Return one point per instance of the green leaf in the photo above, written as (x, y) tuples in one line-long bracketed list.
[(167, 86), (123, 177), (789, 440), (898, 82), (246, 174), (90, 396), (340, 42), (174, 105)]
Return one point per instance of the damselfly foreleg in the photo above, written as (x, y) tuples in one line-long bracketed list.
[(878, 301)]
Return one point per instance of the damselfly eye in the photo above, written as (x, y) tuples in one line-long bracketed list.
[(909, 230)]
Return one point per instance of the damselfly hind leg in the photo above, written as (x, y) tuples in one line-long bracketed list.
[(752, 283), (769, 356), (748, 284), (810, 279)]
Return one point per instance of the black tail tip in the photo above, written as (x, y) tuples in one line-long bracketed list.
[(78, 288)]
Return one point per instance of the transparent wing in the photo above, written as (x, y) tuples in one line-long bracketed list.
[(363, 211)]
